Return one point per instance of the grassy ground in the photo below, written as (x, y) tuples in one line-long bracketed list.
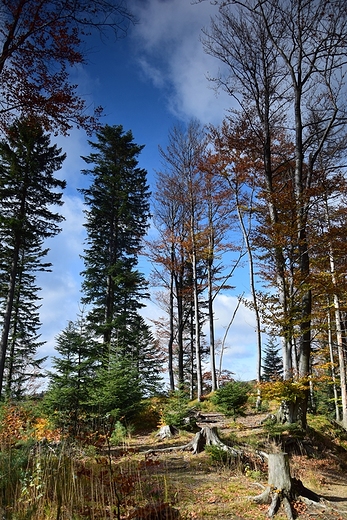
[(130, 482), (201, 488)]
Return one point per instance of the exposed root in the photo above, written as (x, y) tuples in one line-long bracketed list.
[(205, 437)]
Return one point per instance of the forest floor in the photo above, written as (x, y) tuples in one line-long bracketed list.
[(201, 489)]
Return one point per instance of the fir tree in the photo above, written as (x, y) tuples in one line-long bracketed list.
[(73, 379), (116, 221), (273, 364), (28, 192), (118, 393), (148, 358)]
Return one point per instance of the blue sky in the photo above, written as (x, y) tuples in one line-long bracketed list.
[(149, 81)]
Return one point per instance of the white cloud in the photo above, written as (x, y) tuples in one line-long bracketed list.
[(61, 287), (240, 348), (171, 54)]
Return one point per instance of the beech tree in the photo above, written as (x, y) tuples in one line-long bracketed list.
[(39, 44), (181, 160), (28, 192), (284, 64), (192, 215)]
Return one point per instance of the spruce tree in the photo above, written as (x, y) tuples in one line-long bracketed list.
[(148, 357), (117, 215), (273, 363), (28, 192), (73, 379)]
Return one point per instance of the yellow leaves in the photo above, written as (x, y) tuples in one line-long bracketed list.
[(43, 430), (20, 424), (284, 390)]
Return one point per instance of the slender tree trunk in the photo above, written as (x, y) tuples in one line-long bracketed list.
[(197, 326), (332, 362), (339, 341), (339, 329), (211, 328), (171, 337), (180, 328), (239, 300), (7, 316), (210, 297), (11, 354), (245, 234)]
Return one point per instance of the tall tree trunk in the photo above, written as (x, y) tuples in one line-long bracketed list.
[(332, 362), (171, 337), (211, 327), (180, 328), (338, 327), (239, 300), (197, 325), (7, 315), (245, 234), (11, 354)]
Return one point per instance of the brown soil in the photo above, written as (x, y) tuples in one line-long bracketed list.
[(207, 491)]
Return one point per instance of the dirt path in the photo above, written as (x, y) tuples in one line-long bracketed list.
[(219, 491), (325, 472)]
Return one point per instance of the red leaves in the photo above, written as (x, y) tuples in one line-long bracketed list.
[(41, 40)]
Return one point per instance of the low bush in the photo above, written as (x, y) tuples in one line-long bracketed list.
[(231, 399)]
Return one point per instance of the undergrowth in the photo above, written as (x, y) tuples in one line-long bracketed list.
[(46, 476)]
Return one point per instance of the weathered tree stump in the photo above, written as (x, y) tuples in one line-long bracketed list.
[(167, 431), (282, 488), (279, 488), (205, 437), (209, 437)]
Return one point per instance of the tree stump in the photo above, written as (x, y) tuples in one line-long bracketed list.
[(279, 489), (205, 437), (167, 431)]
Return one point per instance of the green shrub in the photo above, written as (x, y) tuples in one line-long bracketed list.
[(219, 456), (232, 398), (177, 412), (120, 434)]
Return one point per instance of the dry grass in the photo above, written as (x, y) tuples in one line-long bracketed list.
[(129, 483)]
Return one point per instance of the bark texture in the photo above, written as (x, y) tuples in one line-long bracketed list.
[(282, 489)]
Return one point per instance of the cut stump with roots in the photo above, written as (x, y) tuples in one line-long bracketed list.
[(205, 437), (281, 488)]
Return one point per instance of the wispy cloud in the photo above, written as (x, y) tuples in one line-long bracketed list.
[(170, 52), (169, 55), (240, 347)]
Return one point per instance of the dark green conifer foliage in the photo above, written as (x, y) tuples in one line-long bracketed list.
[(118, 392), (148, 357), (22, 368), (272, 367), (28, 191), (232, 398), (72, 379), (116, 221)]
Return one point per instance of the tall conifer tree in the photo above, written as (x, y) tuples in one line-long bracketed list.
[(117, 215), (28, 191)]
